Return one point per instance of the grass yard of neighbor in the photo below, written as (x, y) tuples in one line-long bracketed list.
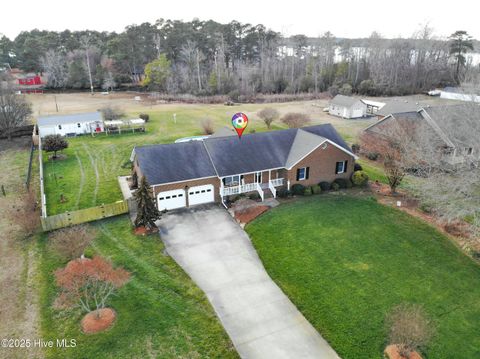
[(88, 176), (160, 311), (346, 262)]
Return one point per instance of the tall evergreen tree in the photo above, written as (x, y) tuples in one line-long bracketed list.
[(460, 43), (147, 213)]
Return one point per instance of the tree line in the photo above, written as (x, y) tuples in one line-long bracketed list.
[(209, 58)]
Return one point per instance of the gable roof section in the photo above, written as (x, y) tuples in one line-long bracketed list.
[(227, 156), (346, 101), (72, 118), (174, 162), (394, 107)]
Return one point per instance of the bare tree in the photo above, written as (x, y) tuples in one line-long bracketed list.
[(295, 119), (207, 126), (14, 110), (55, 66), (71, 242), (268, 115), (409, 328)]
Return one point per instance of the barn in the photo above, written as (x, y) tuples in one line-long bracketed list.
[(347, 107), (71, 125)]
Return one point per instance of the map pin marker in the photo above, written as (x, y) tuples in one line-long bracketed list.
[(239, 122)]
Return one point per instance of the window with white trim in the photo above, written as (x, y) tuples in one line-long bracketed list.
[(231, 181), (258, 177), (341, 167), (302, 174)]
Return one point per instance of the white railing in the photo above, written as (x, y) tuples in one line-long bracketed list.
[(259, 190), (272, 189), (248, 187), (276, 182)]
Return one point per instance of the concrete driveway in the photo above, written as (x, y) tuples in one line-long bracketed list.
[(259, 318)]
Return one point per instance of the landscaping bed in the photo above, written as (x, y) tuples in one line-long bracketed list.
[(345, 262)]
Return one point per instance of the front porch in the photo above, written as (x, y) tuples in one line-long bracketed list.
[(260, 187)]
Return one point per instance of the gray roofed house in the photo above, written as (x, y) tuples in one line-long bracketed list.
[(347, 107), (394, 107), (218, 167), (70, 124)]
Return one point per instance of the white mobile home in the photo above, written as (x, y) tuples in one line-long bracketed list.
[(71, 125), (347, 107)]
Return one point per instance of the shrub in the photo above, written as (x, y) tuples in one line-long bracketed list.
[(359, 178), (71, 242), (343, 183), (346, 89), (234, 95), (357, 167), (283, 193), (254, 196), (325, 186), (373, 156), (298, 189), (207, 126), (111, 113), (268, 115), (355, 148), (295, 119), (335, 186), (307, 192), (24, 216), (316, 189), (144, 116)]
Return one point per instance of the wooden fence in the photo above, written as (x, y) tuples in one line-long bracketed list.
[(20, 131), (84, 215)]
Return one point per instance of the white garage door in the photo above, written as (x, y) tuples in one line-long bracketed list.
[(200, 194), (171, 199)]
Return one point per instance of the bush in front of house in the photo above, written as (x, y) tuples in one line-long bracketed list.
[(357, 167), (316, 189), (359, 178), (144, 116), (373, 156), (343, 183), (254, 196), (298, 189), (335, 186), (283, 193), (325, 186), (308, 191)]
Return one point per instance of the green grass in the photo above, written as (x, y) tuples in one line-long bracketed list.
[(160, 312), (374, 172), (345, 262)]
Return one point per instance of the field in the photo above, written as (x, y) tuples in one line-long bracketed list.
[(160, 312), (345, 262), (88, 176)]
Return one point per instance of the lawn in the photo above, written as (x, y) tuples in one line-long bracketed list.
[(88, 176), (345, 262), (161, 313)]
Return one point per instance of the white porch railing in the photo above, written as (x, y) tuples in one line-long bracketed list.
[(276, 182), (272, 189), (260, 191)]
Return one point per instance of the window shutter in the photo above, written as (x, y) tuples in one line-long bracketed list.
[(307, 172), (336, 168), (345, 167), (298, 174)]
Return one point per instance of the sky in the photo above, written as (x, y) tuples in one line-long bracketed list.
[(344, 18)]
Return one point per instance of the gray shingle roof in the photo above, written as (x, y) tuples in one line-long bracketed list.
[(174, 162), (341, 100), (73, 118), (394, 107), (226, 156)]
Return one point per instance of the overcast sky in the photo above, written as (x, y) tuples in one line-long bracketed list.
[(344, 18)]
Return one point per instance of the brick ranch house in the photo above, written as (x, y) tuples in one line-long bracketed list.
[(195, 172)]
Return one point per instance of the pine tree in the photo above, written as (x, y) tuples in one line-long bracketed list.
[(147, 213)]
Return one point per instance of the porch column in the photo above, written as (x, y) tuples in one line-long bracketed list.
[(288, 185)]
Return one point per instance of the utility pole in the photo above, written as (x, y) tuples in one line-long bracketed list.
[(86, 43)]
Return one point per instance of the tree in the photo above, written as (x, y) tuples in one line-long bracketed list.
[(295, 119), (71, 242), (268, 115), (88, 283), (147, 213), (55, 66), (409, 328), (460, 43), (157, 73), (14, 110), (54, 143), (207, 126), (111, 113)]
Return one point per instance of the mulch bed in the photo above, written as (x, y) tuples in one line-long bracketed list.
[(391, 352), (95, 322), (249, 214), (142, 231)]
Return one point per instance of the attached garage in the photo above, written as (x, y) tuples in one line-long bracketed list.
[(171, 199), (200, 194)]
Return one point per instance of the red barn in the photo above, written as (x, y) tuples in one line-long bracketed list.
[(30, 80)]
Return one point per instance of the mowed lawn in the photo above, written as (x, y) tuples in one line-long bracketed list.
[(345, 262), (160, 312), (88, 176)]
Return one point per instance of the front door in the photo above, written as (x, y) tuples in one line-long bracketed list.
[(258, 177)]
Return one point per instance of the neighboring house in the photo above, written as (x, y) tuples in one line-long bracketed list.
[(190, 173), (455, 127), (396, 107), (70, 125), (347, 107)]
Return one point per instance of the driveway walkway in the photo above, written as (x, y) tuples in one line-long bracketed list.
[(217, 254)]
